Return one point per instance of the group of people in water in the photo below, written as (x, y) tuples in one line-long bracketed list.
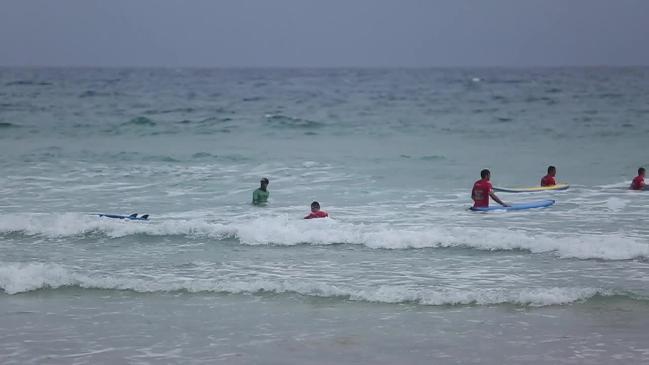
[(481, 192), (260, 197)]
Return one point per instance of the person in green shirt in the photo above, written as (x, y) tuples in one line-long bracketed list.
[(260, 196)]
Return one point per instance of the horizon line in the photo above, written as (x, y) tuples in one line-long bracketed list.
[(305, 67)]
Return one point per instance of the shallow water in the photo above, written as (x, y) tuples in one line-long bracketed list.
[(391, 154)]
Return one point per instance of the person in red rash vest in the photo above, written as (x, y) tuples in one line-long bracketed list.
[(482, 190), (316, 212), (549, 179), (638, 181)]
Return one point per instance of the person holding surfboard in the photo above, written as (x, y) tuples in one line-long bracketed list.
[(638, 181), (482, 190), (549, 179), (260, 196)]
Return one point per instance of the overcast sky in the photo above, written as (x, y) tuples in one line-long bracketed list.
[(324, 33)]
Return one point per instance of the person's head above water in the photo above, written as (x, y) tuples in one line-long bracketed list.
[(552, 170), (485, 174), (315, 206), (264, 183), (641, 171), (316, 212)]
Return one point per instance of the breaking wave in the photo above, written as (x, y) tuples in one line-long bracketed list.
[(25, 277), (289, 231)]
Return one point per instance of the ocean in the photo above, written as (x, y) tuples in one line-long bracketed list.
[(402, 273)]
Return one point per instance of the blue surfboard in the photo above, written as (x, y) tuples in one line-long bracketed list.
[(518, 206), (132, 217)]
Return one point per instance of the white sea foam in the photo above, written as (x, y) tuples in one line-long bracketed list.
[(24, 277), (616, 204), (69, 224), (284, 230)]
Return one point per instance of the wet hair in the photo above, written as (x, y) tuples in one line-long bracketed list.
[(641, 171), (264, 180), (315, 205), (550, 168), (484, 173)]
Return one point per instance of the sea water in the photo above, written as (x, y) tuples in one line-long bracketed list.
[(401, 273)]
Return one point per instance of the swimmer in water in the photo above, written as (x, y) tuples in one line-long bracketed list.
[(260, 196), (316, 212), (638, 181)]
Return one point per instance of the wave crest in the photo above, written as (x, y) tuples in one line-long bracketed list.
[(285, 121), (25, 277), (287, 231)]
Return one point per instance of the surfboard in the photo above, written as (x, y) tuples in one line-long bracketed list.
[(518, 206), (132, 217), (533, 189)]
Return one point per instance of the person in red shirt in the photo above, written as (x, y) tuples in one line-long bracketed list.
[(638, 181), (482, 190), (548, 180), (316, 212)]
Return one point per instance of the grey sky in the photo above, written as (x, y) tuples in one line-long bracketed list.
[(324, 33)]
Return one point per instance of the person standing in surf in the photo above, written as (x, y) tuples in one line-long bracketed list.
[(638, 181), (260, 196), (482, 190), (549, 179)]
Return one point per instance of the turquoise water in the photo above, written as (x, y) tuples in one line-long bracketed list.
[(402, 268)]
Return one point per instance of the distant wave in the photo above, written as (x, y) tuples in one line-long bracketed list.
[(128, 156), (93, 93), (8, 125), (53, 152), (203, 155), (25, 277), (211, 156), (287, 231), (253, 98), (138, 156), (142, 125), (425, 158), (28, 83), (140, 121), (186, 110), (432, 157), (284, 121)]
